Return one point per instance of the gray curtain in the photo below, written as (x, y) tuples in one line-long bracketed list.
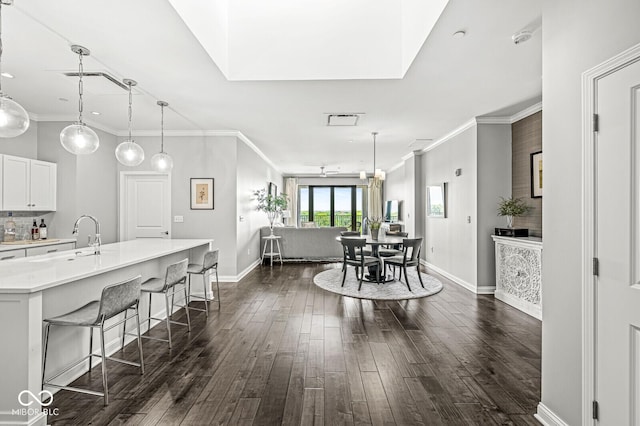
[(291, 190)]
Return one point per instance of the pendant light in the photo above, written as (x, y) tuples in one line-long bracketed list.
[(128, 152), (77, 138), (162, 162), (14, 120), (378, 174)]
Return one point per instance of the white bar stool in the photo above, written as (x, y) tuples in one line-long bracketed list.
[(116, 298), (209, 263)]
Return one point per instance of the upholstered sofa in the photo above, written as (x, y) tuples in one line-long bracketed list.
[(306, 244)]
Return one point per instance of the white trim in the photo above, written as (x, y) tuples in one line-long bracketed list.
[(493, 120), (241, 275), (526, 112), (38, 420), (250, 144), (122, 198), (394, 168), (467, 285), (522, 305), (469, 124), (547, 417), (74, 119), (589, 84)]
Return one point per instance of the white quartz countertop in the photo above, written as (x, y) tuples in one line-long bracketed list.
[(37, 273), (40, 243), (532, 241)]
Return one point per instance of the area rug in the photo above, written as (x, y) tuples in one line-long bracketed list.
[(331, 280)]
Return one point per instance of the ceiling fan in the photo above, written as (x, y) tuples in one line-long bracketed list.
[(325, 173)]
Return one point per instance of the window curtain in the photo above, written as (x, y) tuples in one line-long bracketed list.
[(291, 190), (375, 198)]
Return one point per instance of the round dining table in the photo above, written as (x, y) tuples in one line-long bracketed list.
[(382, 240)]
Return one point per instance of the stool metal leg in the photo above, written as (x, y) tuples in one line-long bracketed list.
[(186, 309), (44, 358), (217, 286), (166, 302), (90, 347), (124, 326), (204, 288), (139, 339), (104, 365)]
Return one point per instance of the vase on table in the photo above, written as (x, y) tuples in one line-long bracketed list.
[(374, 233), (509, 221)]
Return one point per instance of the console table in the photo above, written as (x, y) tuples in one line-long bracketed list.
[(519, 273)]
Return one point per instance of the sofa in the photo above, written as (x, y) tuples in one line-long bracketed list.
[(306, 244)]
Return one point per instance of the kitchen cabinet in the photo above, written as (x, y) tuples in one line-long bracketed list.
[(12, 254), (28, 185), (50, 249), (7, 252)]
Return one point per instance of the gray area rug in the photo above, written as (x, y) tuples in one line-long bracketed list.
[(331, 279)]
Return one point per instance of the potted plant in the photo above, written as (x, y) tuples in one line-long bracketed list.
[(272, 205), (374, 225), (512, 207)]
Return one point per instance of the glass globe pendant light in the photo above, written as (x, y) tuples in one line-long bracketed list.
[(77, 138), (14, 120), (162, 162), (128, 152)]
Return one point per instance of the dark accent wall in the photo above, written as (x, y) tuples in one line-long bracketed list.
[(526, 139)]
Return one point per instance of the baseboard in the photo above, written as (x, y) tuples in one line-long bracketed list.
[(9, 419), (547, 417), (467, 285), (241, 275), (526, 307)]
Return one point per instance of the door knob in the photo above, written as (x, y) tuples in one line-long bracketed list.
[(166, 232)]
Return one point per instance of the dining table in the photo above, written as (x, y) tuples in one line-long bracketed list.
[(375, 244)]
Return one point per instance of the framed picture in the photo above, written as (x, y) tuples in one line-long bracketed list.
[(437, 200), (201, 193), (273, 189), (536, 174)]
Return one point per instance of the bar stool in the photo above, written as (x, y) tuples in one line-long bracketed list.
[(210, 262), (176, 274), (115, 299)]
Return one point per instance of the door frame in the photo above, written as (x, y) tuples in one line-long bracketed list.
[(122, 198), (590, 80)]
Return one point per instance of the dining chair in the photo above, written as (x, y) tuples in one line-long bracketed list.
[(115, 299), (410, 257), (348, 234), (392, 249), (352, 248)]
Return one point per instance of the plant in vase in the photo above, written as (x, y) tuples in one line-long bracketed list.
[(512, 207), (272, 205), (374, 225)]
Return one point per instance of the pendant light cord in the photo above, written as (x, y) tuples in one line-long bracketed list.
[(80, 88), (162, 129), (130, 101), (374, 153)]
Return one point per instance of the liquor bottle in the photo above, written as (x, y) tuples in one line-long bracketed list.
[(43, 230), (35, 232), (10, 229)]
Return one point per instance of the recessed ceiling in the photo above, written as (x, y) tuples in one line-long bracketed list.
[(448, 82)]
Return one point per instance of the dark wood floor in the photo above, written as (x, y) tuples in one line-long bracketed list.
[(282, 351)]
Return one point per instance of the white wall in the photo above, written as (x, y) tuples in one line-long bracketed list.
[(25, 145), (577, 35), (200, 157), (253, 173), (494, 181), (450, 243)]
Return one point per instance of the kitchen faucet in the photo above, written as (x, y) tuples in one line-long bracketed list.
[(97, 241)]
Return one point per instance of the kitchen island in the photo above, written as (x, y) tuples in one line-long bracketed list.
[(38, 287)]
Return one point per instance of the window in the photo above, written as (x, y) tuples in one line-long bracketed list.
[(332, 206)]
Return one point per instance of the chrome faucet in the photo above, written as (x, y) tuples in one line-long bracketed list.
[(97, 241)]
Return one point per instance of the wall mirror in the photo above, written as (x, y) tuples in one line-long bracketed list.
[(437, 200)]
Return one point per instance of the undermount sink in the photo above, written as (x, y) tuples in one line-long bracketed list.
[(68, 255)]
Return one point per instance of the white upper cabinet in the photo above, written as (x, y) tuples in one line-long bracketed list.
[(28, 184)]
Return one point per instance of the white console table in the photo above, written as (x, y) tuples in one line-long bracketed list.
[(519, 273)]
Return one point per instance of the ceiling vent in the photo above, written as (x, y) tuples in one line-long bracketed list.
[(343, 119), (100, 83)]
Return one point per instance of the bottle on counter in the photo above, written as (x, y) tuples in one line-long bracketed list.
[(35, 231), (10, 229), (43, 230)]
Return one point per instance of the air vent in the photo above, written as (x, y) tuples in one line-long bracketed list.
[(100, 83), (343, 119)]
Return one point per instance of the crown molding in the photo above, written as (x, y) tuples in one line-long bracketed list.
[(72, 119), (493, 120), (526, 112), (469, 124)]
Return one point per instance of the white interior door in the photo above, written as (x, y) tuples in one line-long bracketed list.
[(618, 248), (146, 206)]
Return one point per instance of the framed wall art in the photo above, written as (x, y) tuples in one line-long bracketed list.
[(536, 174), (201, 193)]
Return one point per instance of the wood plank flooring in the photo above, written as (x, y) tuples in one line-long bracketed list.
[(283, 351)]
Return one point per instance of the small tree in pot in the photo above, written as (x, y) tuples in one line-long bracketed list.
[(272, 205), (512, 207)]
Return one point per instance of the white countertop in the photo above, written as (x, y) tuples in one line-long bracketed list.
[(529, 241), (37, 273), (40, 243)]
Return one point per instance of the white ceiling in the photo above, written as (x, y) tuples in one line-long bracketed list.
[(449, 82)]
